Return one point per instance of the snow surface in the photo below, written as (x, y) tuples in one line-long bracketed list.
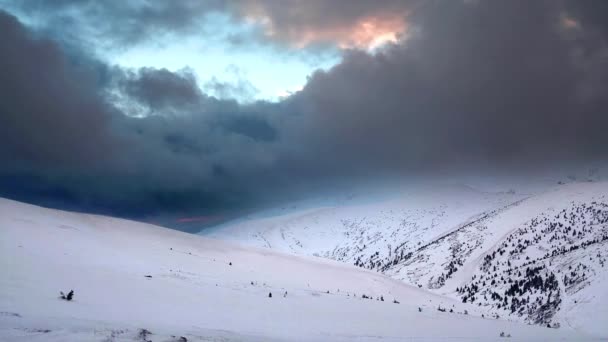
[(207, 290), (446, 238), (349, 230)]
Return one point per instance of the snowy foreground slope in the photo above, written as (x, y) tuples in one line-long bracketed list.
[(135, 281), (537, 258)]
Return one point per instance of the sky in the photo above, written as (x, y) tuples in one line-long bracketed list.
[(196, 109)]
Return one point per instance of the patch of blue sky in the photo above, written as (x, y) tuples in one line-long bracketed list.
[(222, 52)]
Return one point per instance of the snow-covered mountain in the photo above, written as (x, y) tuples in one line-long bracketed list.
[(135, 281), (536, 257)]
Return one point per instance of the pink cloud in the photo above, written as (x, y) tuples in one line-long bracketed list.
[(201, 219)]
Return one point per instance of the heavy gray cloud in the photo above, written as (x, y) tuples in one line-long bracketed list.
[(68, 133), (117, 23), (477, 80), (506, 83), (51, 111)]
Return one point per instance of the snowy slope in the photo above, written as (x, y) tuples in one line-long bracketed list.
[(455, 241), (130, 278), (368, 232), (545, 261)]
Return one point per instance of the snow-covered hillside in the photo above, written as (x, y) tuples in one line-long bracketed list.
[(370, 233), (538, 258), (135, 281)]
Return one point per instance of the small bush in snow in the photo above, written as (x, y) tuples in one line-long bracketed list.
[(67, 297), (143, 335)]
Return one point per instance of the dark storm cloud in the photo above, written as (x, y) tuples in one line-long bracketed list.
[(50, 110), (484, 81), (118, 23), (160, 89), (67, 135), (186, 147), (176, 99), (591, 14), (473, 82)]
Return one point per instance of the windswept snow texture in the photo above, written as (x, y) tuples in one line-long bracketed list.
[(140, 282), (538, 258)]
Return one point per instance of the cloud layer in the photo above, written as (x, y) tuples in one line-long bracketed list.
[(499, 83)]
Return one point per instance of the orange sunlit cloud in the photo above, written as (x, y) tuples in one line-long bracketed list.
[(373, 32), (569, 23), (366, 33)]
